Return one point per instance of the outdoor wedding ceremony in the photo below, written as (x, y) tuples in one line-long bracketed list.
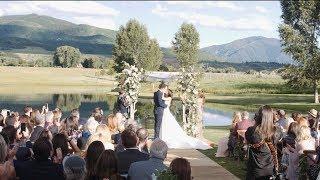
[(159, 90)]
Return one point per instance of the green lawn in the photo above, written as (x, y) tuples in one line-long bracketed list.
[(47, 80), (214, 133), (237, 168)]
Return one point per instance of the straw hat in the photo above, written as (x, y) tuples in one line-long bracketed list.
[(282, 112), (313, 113)]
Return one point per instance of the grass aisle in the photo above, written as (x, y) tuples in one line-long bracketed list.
[(214, 133)]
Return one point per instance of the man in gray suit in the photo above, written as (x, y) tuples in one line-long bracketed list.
[(146, 170)]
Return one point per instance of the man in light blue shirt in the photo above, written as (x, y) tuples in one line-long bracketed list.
[(146, 170)]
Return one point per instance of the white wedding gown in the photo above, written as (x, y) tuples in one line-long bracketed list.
[(174, 135)]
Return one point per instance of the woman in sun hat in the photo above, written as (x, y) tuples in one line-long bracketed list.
[(313, 122)]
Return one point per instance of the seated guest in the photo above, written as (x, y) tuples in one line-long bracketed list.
[(289, 139), (283, 122), (131, 153), (70, 126), (11, 134), (295, 116), (41, 167), (303, 122), (76, 114), (245, 123), (1, 122), (304, 141), (143, 135), (23, 154), (112, 123), (60, 141), (106, 166), (91, 126), (26, 126), (131, 124), (5, 113), (81, 144), (93, 152), (98, 117), (46, 134), (102, 134), (227, 144), (39, 122), (313, 122), (235, 119), (57, 114), (13, 120), (27, 110), (145, 170), (74, 168), (181, 167), (33, 116), (7, 171), (53, 128), (117, 137)]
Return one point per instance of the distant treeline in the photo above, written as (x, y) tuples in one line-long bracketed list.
[(242, 67)]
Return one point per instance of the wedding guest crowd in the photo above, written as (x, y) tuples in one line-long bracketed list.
[(40, 144), (276, 145)]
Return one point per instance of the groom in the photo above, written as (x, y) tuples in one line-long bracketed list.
[(159, 106)]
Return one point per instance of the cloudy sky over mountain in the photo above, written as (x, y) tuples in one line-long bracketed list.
[(218, 22)]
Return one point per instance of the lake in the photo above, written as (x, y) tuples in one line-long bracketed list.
[(87, 102)]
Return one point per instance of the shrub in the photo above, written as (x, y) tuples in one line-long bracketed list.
[(92, 62)]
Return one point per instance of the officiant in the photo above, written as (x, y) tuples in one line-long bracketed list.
[(122, 104)]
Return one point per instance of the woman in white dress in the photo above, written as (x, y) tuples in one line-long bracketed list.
[(173, 134)]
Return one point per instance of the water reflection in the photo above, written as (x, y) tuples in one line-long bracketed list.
[(215, 117), (87, 102)]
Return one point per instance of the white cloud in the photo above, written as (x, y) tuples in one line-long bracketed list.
[(225, 4), (206, 4), (261, 9), (245, 23), (68, 7), (1, 12), (95, 21)]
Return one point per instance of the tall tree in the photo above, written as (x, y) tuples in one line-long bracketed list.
[(155, 56), (67, 56), (300, 33), (186, 45), (133, 47)]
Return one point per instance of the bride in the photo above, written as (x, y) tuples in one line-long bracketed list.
[(173, 134)]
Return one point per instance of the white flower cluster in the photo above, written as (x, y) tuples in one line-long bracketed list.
[(129, 80), (188, 86), (190, 128)]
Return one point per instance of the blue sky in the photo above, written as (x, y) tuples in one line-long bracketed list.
[(218, 22)]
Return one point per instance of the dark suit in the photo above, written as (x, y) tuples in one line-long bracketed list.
[(159, 106), (47, 170), (129, 156), (121, 105), (36, 133)]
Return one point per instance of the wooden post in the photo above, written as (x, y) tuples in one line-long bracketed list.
[(132, 111), (184, 118)]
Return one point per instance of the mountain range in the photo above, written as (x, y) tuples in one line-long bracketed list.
[(43, 34)]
